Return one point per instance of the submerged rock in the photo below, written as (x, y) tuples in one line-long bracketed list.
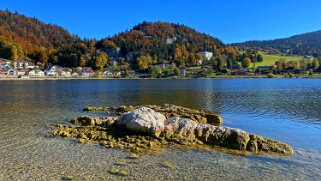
[(93, 109), (143, 120)]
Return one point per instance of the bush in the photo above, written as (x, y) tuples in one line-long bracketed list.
[(270, 75)]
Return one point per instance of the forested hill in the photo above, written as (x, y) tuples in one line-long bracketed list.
[(303, 44), (160, 37), (29, 35)]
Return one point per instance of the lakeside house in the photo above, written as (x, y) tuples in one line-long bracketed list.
[(22, 72), (5, 66), (113, 63), (199, 62), (264, 69), (12, 72), (52, 71), (117, 74), (182, 71), (36, 73), (309, 57), (87, 72), (3, 72), (206, 55), (131, 73), (75, 74), (64, 73), (245, 71), (107, 73), (18, 64)]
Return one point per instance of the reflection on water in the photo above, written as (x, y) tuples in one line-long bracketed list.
[(283, 109)]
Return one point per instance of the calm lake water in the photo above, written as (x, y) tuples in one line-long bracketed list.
[(288, 110)]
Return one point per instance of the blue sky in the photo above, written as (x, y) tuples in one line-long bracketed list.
[(229, 20)]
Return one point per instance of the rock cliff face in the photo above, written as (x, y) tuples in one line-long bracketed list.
[(144, 129)]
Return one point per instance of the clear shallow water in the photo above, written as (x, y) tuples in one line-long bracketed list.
[(288, 110)]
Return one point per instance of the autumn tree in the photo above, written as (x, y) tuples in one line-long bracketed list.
[(178, 57), (101, 60), (13, 53), (246, 62), (143, 62), (191, 61)]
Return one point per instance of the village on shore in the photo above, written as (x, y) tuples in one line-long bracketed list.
[(25, 70)]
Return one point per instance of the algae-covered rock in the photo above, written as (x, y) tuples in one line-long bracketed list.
[(83, 120), (146, 130), (87, 121), (168, 164), (223, 136), (68, 177), (143, 120), (119, 171)]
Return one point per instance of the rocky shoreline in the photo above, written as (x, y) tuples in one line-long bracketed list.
[(150, 128)]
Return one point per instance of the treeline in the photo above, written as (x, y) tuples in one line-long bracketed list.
[(301, 66), (304, 44)]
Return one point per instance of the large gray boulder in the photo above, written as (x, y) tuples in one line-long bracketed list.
[(143, 120)]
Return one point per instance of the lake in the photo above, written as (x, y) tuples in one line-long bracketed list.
[(288, 110)]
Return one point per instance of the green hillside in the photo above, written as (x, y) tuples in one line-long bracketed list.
[(269, 60)]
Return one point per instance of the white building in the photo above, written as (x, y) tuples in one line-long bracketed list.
[(75, 74), (107, 73), (199, 62), (36, 73), (64, 74), (12, 72), (113, 63), (22, 72), (52, 71), (206, 55), (40, 73), (31, 67), (19, 64)]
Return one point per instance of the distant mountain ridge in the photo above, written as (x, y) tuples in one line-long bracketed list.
[(302, 44)]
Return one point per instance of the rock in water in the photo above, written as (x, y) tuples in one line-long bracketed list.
[(169, 110), (223, 136), (143, 120), (153, 132)]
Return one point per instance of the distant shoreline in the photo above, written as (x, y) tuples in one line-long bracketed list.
[(135, 78)]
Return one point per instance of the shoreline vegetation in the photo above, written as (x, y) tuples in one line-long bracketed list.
[(152, 128), (315, 76)]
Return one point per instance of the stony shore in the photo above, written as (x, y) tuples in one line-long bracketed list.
[(151, 128)]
